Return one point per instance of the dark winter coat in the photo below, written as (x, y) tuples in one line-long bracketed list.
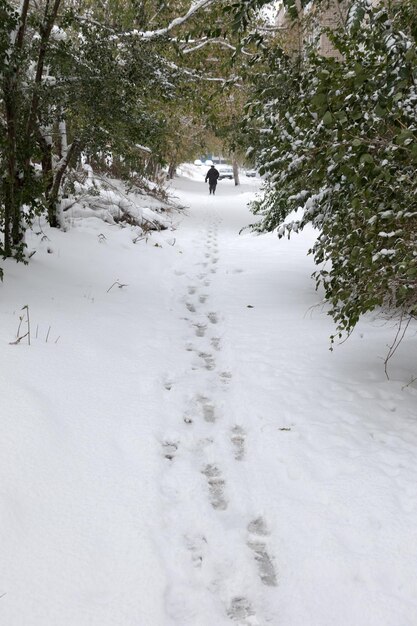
[(212, 175)]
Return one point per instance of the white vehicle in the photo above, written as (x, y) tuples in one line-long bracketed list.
[(225, 171)]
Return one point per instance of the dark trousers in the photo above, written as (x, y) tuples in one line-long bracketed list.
[(212, 187)]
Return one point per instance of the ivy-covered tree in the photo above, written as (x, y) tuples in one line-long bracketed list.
[(337, 141)]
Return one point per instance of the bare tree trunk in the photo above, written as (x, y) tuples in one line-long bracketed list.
[(152, 168), (236, 171), (62, 126), (47, 167), (53, 195), (11, 181), (45, 32), (8, 212), (172, 170)]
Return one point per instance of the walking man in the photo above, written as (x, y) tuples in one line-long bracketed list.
[(212, 176)]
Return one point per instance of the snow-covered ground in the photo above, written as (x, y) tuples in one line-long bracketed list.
[(184, 450)]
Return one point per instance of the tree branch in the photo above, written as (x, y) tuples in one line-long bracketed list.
[(196, 6), (205, 42)]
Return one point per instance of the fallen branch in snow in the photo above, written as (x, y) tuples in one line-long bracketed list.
[(18, 340), (116, 282)]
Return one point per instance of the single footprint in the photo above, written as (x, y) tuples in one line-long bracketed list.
[(258, 532), (212, 317), (190, 306), (200, 330), (197, 545), (258, 527), (206, 283), (214, 260), (209, 412), (216, 485), (213, 270), (240, 609), (238, 440), (192, 290), (209, 362), (169, 449), (202, 298), (215, 342), (225, 377)]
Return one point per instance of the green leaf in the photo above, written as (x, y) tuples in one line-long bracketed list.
[(366, 158), (403, 136), (328, 119), (319, 100), (341, 116), (410, 55), (380, 111)]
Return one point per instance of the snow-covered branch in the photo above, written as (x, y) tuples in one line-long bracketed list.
[(195, 6), (198, 76), (205, 42)]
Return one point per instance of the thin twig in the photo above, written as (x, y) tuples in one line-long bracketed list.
[(27, 313), (116, 282), (396, 343), (18, 340)]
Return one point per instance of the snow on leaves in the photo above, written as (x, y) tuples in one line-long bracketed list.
[(341, 150)]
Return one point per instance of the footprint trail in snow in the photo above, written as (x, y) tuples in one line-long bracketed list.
[(211, 443)]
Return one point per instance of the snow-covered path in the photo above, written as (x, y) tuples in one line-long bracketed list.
[(189, 453), (222, 566)]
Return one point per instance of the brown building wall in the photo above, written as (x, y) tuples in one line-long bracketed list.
[(329, 15)]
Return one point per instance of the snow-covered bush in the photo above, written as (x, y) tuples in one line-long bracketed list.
[(113, 201), (338, 140)]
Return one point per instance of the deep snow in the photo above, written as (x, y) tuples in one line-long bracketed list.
[(185, 450)]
